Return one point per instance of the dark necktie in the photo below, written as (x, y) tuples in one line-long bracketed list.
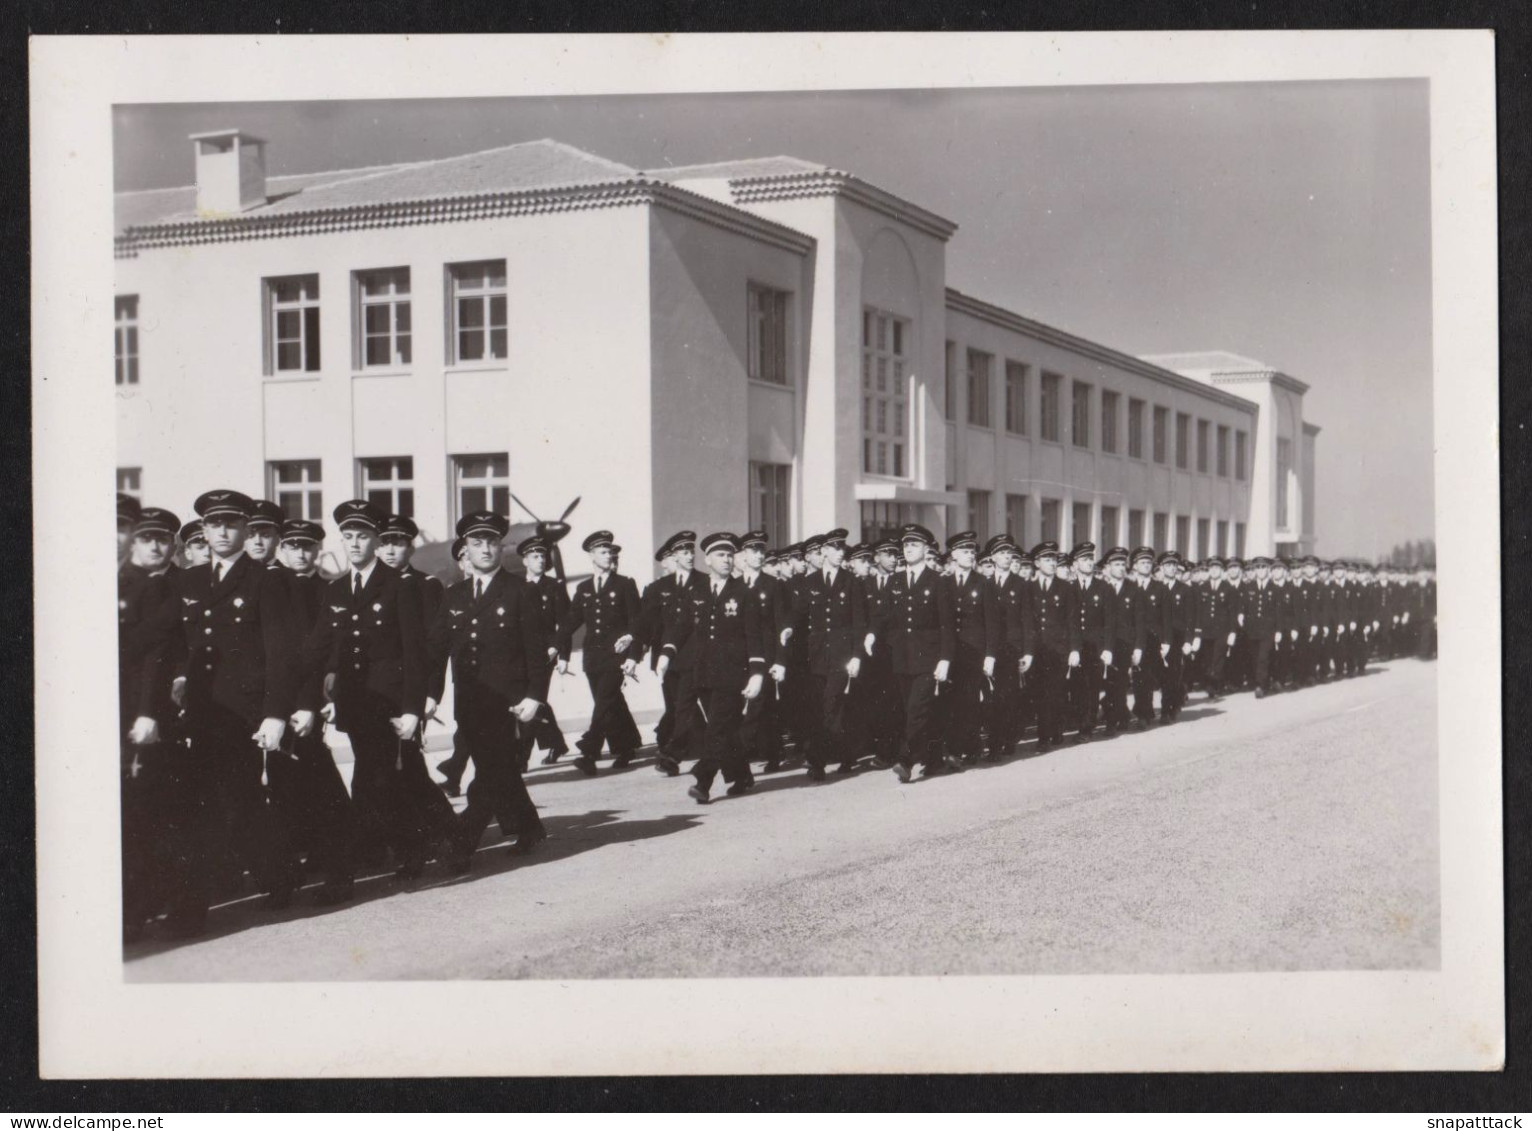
[(356, 584), (218, 568), (478, 588)]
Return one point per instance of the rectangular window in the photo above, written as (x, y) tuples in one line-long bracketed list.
[(1051, 517), (1239, 460), (1135, 529), (1079, 522), (1203, 430), (1239, 539), (978, 514), (1108, 537), (1053, 391), (1183, 439), (292, 324), (389, 481), (882, 520), (1016, 519), (949, 386), (885, 394), (1203, 549), (1161, 531), (766, 334), (296, 487), (1016, 398), (125, 308), (382, 301), (1079, 424), (1135, 428), (1223, 451), (1183, 534), (1109, 420), (130, 481), (979, 366), (481, 483), (476, 312), (770, 503), (1161, 427), (1284, 466)]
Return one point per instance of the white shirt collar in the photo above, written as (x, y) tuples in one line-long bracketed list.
[(365, 571), (225, 563)]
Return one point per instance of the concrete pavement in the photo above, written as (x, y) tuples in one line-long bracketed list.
[(1297, 832)]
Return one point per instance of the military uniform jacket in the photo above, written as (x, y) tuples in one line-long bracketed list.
[(669, 604), (306, 597), (978, 618), (548, 600), (1055, 620), (607, 617), (1180, 602), (495, 643), (922, 622), (1217, 607), (146, 638), (832, 618), (241, 642), (1262, 608), (1151, 624), (775, 610), (431, 592), (1097, 606), (1122, 625), (1015, 599), (720, 640), (1303, 604), (374, 644)]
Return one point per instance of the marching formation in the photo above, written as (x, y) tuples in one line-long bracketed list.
[(236, 654)]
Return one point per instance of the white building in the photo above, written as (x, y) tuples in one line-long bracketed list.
[(768, 342)]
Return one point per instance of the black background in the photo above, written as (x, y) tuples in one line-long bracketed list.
[(22, 1092)]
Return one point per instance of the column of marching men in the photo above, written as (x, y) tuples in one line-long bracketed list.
[(237, 658)]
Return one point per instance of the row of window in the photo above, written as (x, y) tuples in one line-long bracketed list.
[(1212, 537), (1210, 453)]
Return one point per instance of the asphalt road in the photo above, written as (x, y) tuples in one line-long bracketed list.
[(1298, 832)]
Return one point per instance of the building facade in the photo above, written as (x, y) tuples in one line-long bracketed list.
[(767, 342)]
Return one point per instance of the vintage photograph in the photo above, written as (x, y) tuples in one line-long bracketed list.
[(930, 531)]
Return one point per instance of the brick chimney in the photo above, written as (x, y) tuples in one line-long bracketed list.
[(231, 172)]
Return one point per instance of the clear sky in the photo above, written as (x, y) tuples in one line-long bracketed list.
[(1287, 222)]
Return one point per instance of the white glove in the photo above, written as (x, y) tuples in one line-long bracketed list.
[(629, 667), (1404, 619), (553, 654), (269, 736), (1106, 657), (302, 723), (1137, 657), (663, 665), (989, 667), (868, 643), (1186, 649), (1242, 620), (1026, 664), (329, 685), (178, 691), (431, 705), (1074, 659), (778, 672), (853, 666), (1276, 638), (753, 687), (1353, 626), (622, 644), (526, 710), (1294, 634), (144, 732), (1164, 650), (1231, 640), (563, 667), (787, 634), (327, 712), (405, 725), (1197, 644), (1313, 630), (942, 667)]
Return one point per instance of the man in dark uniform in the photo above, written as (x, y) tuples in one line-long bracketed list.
[(1180, 604), (724, 654), (451, 767), (148, 613), (922, 641), (1262, 619), (660, 602), (1095, 606), (1013, 598), (236, 680), (1052, 654), (490, 628), (1213, 635), (1148, 659), (979, 628), (262, 532), (882, 710), (369, 644), (1120, 640), (1239, 666), (761, 730), (194, 551), (831, 619), (550, 601), (606, 605), (306, 786)]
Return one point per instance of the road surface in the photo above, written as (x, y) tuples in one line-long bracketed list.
[(1298, 832)]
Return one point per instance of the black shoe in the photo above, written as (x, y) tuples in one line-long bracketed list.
[(934, 770), (334, 892), (551, 758), (698, 794), (882, 763), (953, 764), (846, 767), (622, 761), (772, 766), (529, 840), (667, 765), (586, 765), (452, 787), (902, 772), (816, 773), (411, 869), (740, 788)]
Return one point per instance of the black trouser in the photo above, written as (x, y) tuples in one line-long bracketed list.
[(545, 730), (148, 804), (921, 741), (666, 726), (309, 795), (1267, 657), (1047, 677), (1085, 687), (226, 820), (835, 722), (760, 730), (1173, 688), (497, 790), (611, 722), (969, 691), (1114, 683), (723, 707), (396, 805), (1146, 677), (880, 710), (1004, 720), (1215, 654)]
